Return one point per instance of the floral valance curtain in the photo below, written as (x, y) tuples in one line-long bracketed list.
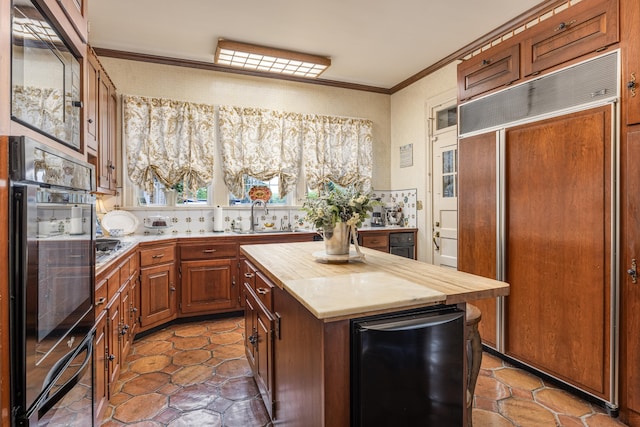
[(260, 143), (172, 141), (265, 144), (337, 149)]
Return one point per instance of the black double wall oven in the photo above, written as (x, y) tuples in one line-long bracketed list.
[(52, 263)]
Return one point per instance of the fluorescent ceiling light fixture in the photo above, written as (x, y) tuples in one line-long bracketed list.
[(269, 60)]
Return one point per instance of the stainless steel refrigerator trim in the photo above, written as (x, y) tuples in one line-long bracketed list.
[(500, 236), (614, 337)]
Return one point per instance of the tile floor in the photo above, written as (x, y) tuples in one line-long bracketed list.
[(196, 374)]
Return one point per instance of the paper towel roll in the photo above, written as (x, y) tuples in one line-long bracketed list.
[(218, 219), (76, 212)]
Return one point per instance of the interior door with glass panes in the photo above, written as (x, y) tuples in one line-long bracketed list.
[(445, 185)]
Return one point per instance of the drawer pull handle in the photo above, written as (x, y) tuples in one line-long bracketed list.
[(101, 301), (248, 275), (208, 251), (564, 25), (262, 291), (157, 256)]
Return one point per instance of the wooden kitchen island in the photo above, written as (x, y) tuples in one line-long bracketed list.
[(297, 318)]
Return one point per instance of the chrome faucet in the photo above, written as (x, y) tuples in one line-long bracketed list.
[(252, 229)]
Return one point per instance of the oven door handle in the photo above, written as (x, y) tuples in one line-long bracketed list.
[(50, 400)]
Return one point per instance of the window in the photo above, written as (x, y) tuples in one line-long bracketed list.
[(249, 182), (177, 196), (446, 118)]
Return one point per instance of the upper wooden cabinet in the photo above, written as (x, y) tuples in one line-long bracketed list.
[(581, 29), (76, 11), (494, 68), (100, 127), (630, 30)]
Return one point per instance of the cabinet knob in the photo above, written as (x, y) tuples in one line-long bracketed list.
[(248, 275), (90, 121), (172, 288), (208, 251), (111, 358), (253, 339), (486, 61), (101, 301), (262, 291), (564, 25)]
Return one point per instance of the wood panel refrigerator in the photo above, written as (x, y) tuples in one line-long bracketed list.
[(538, 208)]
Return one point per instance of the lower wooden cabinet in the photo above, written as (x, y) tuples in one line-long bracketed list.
[(157, 295), (208, 278), (259, 345), (158, 299), (113, 343), (100, 383)]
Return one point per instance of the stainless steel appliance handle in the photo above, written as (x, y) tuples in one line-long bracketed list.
[(415, 323), (48, 401)]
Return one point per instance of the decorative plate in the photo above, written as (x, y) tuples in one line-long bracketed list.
[(120, 220), (260, 192)]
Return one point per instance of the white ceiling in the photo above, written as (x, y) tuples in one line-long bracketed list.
[(370, 42)]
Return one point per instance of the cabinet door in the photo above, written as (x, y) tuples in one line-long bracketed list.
[(134, 306), (113, 343), (207, 285), (76, 11), (101, 369), (477, 219), (494, 68), (630, 21), (250, 330), (558, 239), (91, 102), (104, 149), (125, 328), (630, 290), (264, 358), (581, 29), (157, 294), (113, 144)]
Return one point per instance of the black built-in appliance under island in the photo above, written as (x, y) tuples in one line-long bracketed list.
[(316, 332)]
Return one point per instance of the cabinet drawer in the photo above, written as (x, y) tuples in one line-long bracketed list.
[(376, 241), (101, 296), (208, 251), (113, 283), (577, 31), (264, 290), (494, 68), (401, 239), (158, 255), (248, 274)]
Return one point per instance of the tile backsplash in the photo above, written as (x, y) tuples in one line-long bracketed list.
[(199, 221)]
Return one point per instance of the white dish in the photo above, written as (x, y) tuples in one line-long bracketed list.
[(120, 220)]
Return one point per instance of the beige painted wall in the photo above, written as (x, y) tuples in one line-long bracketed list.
[(409, 125), (216, 88)]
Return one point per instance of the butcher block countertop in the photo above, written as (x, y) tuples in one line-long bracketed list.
[(380, 283)]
